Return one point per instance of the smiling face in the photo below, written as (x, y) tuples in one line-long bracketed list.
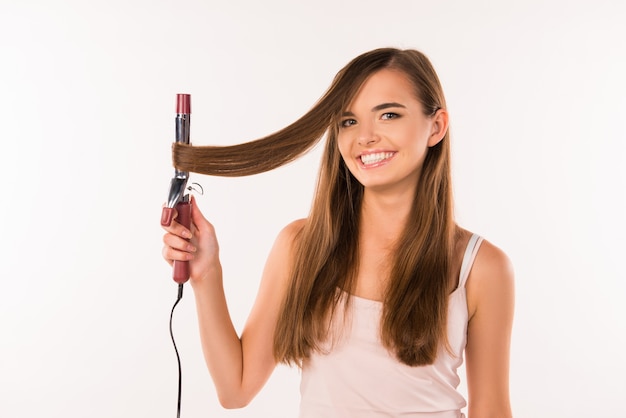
[(384, 134)]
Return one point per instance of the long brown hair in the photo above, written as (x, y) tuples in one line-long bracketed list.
[(413, 323)]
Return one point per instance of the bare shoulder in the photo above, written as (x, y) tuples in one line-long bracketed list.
[(491, 277), (282, 250), (294, 227), (492, 262), (287, 235)]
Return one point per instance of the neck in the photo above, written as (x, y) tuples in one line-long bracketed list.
[(384, 216)]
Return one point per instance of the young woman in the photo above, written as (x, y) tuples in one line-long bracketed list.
[(378, 294)]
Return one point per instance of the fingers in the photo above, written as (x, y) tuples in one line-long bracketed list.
[(171, 254), (166, 253), (176, 228), (178, 243), (177, 248), (197, 218), (184, 244), (176, 240)]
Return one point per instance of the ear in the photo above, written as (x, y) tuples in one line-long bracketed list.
[(439, 127)]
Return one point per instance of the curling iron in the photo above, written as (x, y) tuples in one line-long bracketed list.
[(177, 199)]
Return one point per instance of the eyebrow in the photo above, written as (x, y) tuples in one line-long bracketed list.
[(378, 108)]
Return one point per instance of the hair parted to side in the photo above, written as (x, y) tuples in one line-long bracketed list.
[(413, 323)]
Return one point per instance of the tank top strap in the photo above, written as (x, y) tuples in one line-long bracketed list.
[(468, 258)]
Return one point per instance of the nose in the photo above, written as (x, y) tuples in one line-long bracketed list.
[(366, 136)]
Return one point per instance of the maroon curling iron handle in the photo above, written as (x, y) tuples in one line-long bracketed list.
[(177, 198), (181, 268), (180, 272)]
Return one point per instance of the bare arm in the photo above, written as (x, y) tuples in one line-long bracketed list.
[(238, 366), (490, 294)]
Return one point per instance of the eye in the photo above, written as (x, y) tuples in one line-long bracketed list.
[(347, 123), (389, 116)]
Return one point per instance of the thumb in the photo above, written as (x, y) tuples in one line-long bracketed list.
[(196, 215)]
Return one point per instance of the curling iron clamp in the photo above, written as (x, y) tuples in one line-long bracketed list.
[(177, 199)]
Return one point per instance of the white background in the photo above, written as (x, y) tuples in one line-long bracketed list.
[(537, 94)]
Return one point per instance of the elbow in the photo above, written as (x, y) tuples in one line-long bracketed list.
[(234, 402), (493, 411)]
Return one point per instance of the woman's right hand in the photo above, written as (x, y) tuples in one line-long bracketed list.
[(225, 352), (198, 245)]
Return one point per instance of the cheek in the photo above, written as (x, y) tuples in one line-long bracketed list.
[(344, 149), (418, 140)]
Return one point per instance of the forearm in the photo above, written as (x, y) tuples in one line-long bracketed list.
[(220, 343)]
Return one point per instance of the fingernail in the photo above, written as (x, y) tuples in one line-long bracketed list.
[(191, 248), (166, 216), (186, 234)]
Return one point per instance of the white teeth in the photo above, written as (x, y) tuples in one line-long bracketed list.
[(375, 158)]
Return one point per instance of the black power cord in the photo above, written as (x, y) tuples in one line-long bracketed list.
[(180, 373)]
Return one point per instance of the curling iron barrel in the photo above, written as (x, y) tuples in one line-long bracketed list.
[(177, 199)]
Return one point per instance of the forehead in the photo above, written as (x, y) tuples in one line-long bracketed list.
[(385, 86)]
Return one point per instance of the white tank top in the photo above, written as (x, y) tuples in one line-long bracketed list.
[(358, 377)]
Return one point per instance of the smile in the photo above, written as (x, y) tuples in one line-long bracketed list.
[(375, 158)]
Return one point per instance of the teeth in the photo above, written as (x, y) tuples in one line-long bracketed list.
[(375, 158)]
